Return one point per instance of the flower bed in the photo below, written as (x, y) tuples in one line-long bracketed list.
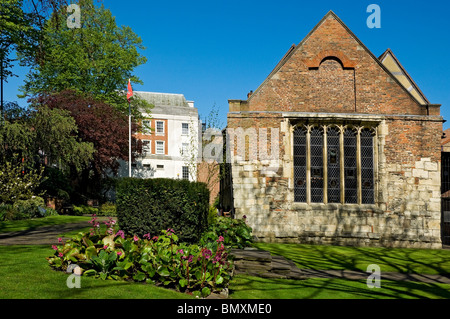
[(161, 260)]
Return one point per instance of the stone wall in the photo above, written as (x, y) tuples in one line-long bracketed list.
[(406, 212)]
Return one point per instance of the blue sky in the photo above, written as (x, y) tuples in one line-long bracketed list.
[(212, 51)]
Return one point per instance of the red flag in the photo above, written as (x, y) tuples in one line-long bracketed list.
[(130, 90)]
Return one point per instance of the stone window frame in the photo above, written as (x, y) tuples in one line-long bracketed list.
[(342, 125)]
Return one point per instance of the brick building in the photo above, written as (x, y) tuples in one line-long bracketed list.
[(337, 146)]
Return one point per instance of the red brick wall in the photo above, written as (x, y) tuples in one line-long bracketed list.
[(299, 86)]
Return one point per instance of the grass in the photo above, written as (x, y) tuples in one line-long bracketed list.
[(249, 287), (29, 224), (402, 260), (25, 274)]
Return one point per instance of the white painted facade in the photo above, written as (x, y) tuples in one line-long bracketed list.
[(174, 111)]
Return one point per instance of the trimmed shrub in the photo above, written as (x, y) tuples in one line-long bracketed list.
[(107, 209), (84, 210), (148, 205)]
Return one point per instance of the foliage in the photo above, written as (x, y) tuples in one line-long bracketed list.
[(84, 210), (56, 137), (235, 232), (17, 32), (56, 183), (97, 123), (107, 209), (18, 182), (16, 141), (33, 207), (148, 205), (161, 260), (25, 209), (98, 57)]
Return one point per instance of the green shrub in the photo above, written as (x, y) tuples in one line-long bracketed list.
[(235, 232), (8, 212), (107, 209), (149, 205), (84, 210), (161, 260), (30, 208)]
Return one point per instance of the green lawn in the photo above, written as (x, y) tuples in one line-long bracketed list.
[(28, 224), (403, 260), (249, 287), (25, 274)]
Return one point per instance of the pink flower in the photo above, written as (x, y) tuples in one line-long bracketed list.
[(60, 239), (105, 247), (206, 253), (155, 238), (120, 233), (54, 247), (147, 236), (135, 238), (119, 253), (60, 255), (180, 251), (220, 239)]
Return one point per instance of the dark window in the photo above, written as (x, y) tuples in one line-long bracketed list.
[(185, 172), (316, 138), (333, 165), (349, 160), (350, 179), (367, 167), (300, 165)]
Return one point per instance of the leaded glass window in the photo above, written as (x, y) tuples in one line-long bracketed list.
[(300, 165), (333, 166), (316, 142), (367, 166), (349, 172)]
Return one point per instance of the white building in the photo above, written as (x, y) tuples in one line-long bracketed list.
[(170, 138)]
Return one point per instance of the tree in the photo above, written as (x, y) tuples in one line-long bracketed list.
[(100, 124), (98, 58), (205, 152), (56, 139)]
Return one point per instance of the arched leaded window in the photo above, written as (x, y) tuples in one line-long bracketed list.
[(334, 160)]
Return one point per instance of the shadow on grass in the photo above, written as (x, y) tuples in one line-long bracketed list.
[(249, 287), (401, 260)]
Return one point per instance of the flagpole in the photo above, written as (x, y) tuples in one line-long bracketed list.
[(129, 95), (129, 139)]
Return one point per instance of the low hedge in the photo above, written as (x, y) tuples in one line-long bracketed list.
[(145, 206)]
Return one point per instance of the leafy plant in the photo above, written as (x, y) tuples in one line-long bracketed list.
[(160, 260), (235, 232), (16, 184)]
